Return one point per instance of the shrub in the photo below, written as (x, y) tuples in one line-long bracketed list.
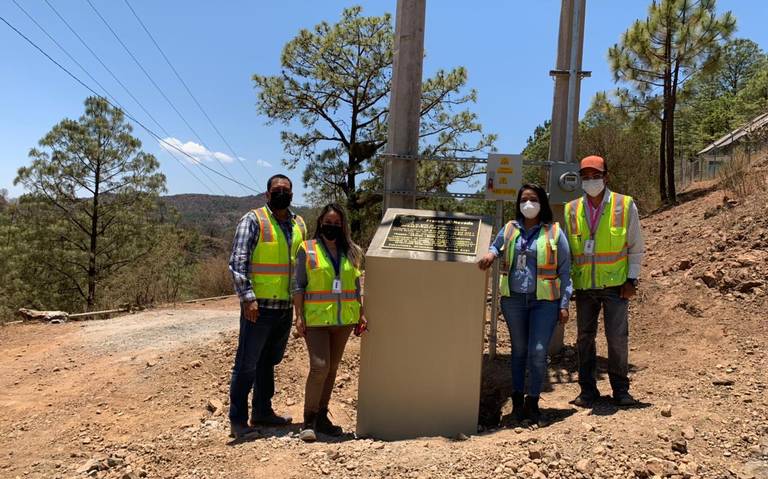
[(213, 278), (738, 176)]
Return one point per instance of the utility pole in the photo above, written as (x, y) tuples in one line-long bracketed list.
[(565, 107), (405, 104), (568, 75)]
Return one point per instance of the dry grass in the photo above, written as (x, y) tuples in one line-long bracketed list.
[(213, 278), (740, 177)]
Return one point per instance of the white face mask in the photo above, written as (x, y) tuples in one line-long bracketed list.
[(593, 187), (530, 209)]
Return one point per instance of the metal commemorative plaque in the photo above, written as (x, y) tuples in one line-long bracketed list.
[(433, 233)]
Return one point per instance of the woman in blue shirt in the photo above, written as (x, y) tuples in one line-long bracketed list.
[(535, 290)]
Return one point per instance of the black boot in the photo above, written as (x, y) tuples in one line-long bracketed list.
[(531, 409), (307, 433), (242, 431), (517, 406), (270, 419), (325, 426)]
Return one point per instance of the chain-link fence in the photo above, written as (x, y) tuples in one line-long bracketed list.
[(746, 149)]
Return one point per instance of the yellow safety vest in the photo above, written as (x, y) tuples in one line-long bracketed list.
[(609, 265), (321, 303), (272, 261), (547, 280)]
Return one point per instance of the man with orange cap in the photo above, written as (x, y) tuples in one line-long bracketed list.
[(603, 230)]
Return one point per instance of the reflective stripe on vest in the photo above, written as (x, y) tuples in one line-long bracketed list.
[(310, 248), (329, 296), (323, 307), (262, 268), (272, 260), (302, 226), (608, 266), (547, 279)]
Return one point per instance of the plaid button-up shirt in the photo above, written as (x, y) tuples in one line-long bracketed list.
[(246, 239)]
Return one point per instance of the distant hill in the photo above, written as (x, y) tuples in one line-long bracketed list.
[(216, 216), (212, 215)]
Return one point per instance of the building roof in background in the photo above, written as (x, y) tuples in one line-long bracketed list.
[(754, 125)]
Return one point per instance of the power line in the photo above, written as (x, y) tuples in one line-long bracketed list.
[(154, 83), (98, 58), (128, 91), (32, 19), (106, 92), (127, 114), (189, 91), (59, 65)]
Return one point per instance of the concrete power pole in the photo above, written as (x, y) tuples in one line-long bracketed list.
[(405, 103), (565, 107), (568, 74)]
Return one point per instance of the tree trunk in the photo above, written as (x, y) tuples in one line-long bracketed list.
[(353, 206), (672, 194), (671, 134), (662, 160), (92, 270)]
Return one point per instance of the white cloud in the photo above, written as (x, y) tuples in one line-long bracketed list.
[(259, 162), (195, 150)]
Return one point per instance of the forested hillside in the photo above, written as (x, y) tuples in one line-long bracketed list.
[(212, 215)]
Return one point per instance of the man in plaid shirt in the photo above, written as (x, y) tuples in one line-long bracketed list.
[(261, 264)]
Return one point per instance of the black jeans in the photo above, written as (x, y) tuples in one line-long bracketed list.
[(260, 348), (615, 315)]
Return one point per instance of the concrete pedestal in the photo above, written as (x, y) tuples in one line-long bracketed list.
[(421, 361)]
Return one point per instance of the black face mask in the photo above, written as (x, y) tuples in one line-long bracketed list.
[(331, 232), (280, 200)]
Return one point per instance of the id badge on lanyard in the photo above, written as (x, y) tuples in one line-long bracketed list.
[(589, 247), (521, 260), (594, 219), (336, 286), (522, 255)]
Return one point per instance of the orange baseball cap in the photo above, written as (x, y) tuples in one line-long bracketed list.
[(593, 161)]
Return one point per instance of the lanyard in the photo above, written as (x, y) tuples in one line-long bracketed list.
[(594, 216), (527, 237), (335, 261)]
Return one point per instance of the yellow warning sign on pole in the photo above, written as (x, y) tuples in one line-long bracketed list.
[(504, 176)]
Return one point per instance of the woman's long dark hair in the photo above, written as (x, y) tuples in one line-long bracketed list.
[(350, 248), (545, 213)]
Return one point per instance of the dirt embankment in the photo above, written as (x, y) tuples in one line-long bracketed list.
[(145, 395)]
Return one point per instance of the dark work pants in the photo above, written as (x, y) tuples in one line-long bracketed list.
[(260, 348), (615, 314)]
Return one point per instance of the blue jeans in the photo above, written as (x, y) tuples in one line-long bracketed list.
[(531, 323), (260, 348)]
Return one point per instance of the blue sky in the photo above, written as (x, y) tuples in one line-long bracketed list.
[(508, 48)]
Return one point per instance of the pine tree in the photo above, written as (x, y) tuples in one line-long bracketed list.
[(658, 55), (96, 191)]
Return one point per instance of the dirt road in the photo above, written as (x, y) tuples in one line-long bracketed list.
[(145, 394)]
